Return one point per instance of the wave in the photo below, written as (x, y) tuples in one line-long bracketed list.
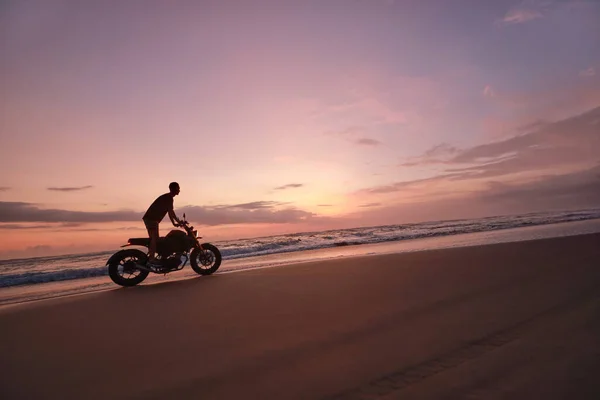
[(391, 233), (29, 278)]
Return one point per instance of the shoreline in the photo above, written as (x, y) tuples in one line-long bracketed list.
[(14, 295)]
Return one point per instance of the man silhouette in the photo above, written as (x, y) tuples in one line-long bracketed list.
[(155, 213)]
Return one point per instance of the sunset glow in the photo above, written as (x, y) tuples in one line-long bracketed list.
[(287, 116)]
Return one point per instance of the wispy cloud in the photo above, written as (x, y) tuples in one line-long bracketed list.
[(370, 205), (254, 205), (4, 188), (349, 131), (368, 142), (70, 189), (441, 149), (23, 226), (519, 16), (290, 186), (488, 91), (588, 72), (527, 10), (554, 101), (438, 154), (405, 185), (380, 2), (373, 109), (355, 134), (52, 226)]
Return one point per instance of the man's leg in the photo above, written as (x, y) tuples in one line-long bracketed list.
[(152, 228)]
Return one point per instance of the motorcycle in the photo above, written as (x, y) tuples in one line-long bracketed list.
[(129, 267)]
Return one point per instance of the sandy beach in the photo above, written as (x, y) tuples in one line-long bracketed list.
[(513, 320)]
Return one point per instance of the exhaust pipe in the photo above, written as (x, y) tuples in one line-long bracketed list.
[(164, 270), (143, 267)]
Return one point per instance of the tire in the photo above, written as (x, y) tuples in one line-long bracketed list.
[(206, 261), (121, 267)]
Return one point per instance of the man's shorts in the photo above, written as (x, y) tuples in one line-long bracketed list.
[(151, 225)]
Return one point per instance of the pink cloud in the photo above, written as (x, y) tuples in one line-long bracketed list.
[(368, 142), (588, 72), (519, 16), (527, 10), (372, 95), (355, 134), (561, 100), (439, 154), (371, 108), (488, 91)]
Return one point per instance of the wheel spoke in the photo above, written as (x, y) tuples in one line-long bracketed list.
[(127, 272), (206, 259)]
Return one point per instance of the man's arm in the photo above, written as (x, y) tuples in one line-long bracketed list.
[(174, 220)]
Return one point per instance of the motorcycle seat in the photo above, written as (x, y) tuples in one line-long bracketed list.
[(143, 241)]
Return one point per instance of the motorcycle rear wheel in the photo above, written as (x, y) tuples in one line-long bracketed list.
[(206, 261), (122, 270)]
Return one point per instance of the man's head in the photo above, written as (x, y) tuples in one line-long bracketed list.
[(174, 188)]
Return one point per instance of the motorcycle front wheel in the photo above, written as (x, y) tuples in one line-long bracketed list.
[(207, 260), (122, 267)]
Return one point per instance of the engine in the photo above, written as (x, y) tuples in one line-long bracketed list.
[(172, 247), (173, 261)]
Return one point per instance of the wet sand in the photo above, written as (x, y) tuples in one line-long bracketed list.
[(514, 320)]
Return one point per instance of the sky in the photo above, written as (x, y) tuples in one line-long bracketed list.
[(291, 116)]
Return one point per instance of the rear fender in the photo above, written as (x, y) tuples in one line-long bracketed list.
[(119, 255), (140, 241), (132, 244)]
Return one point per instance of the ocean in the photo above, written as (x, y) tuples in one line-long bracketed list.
[(29, 279)]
